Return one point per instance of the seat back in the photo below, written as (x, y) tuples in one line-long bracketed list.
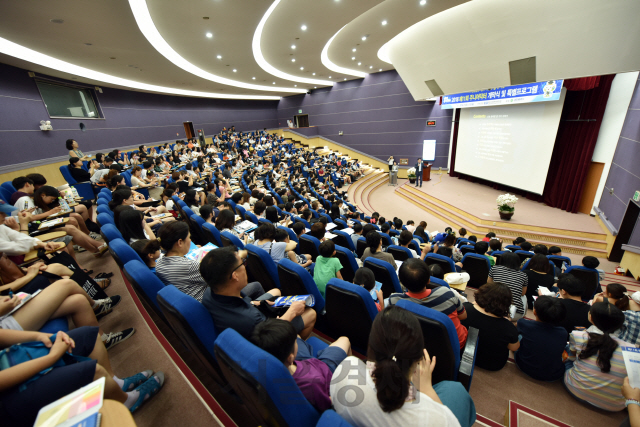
[(361, 246), (8, 186), (399, 253), (263, 383), (340, 223), (385, 273), (296, 280), (193, 325), (498, 256), (524, 255), (197, 233), (104, 209), (251, 217), (66, 174), (241, 211), (230, 239), (329, 220), (413, 245), (439, 282), (104, 219), (512, 248), (350, 311), (467, 249), (478, 267), (348, 261), (558, 260), (123, 253), (440, 340), (261, 268), (445, 262), (343, 239), (588, 276), (109, 232), (309, 245), (212, 234), (145, 283)]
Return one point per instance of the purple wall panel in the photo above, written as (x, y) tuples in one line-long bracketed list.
[(624, 175), (131, 118), (377, 115)]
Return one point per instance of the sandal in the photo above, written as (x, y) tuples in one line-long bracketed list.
[(134, 381), (103, 283), (148, 389), (88, 271), (103, 276)]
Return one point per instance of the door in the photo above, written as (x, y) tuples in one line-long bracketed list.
[(590, 187), (188, 130), (626, 229), (301, 120)]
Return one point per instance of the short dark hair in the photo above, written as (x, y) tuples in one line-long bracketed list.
[(357, 227), (69, 144), (327, 248), (473, 238), (216, 267), (37, 178), (462, 232), (405, 237), (373, 241), (540, 249), (526, 246), (385, 227), (318, 230), (298, 228), (436, 271), (414, 274), (571, 285), (481, 247), (490, 234), (281, 235), (554, 250), (495, 245), (364, 277), (550, 309), (265, 231), (590, 262), (20, 182), (275, 336), (171, 232), (539, 263), (494, 298), (73, 160)]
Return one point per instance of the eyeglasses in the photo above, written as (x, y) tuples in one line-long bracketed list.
[(243, 262)]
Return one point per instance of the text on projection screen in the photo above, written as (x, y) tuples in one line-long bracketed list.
[(510, 145)]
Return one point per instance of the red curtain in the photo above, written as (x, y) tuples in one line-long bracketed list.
[(585, 101)]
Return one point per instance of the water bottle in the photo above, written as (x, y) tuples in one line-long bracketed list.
[(63, 204), (74, 190)]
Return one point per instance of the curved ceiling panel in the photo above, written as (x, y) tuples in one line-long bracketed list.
[(483, 37), (324, 57), (148, 28)]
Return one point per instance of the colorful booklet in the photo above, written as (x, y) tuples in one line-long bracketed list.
[(24, 298), (309, 300), (245, 226), (375, 289), (631, 357), (52, 222), (78, 409), (198, 254)]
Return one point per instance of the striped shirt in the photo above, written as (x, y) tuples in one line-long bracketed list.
[(182, 273), (515, 280), (587, 382)]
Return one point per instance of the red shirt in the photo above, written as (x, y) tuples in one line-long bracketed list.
[(460, 329)]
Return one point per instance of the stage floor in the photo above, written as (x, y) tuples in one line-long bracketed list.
[(480, 201)]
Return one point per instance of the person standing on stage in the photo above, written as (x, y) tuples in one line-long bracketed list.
[(419, 172), (390, 160)]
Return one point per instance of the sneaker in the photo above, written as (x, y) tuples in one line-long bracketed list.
[(105, 306), (101, 250), (95, 236), (134, 381), (112, 339), (78, 248), (148, 389)]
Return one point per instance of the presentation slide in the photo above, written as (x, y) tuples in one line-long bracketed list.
[(429, 150), (510, 145)]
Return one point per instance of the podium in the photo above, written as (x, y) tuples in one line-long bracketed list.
[(426, 173), (393, 177)]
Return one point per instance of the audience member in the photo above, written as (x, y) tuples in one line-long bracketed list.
[(374, 249), (539, 273), (364, 277), (571, 290), (508, 273)]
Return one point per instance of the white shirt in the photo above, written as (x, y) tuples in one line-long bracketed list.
[(15, 243), (95, 178), (423, 411)]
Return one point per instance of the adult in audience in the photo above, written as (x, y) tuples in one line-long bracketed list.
[(394, 387), (509, 274), (497, 335), (374, 249), (133, 227), (598, 369), (542, 342), (226, 275), (571, 290), (264, 236), (421, 232), (225, 222), (415, 276), (539, 273), (357, 233), (74, 150), (78, 173), (404, 239)]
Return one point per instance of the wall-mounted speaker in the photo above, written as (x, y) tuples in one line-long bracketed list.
[(83, 128), (522, 71), (434, 88)]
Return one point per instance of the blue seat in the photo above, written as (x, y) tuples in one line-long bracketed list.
[(109, 232), (123, 253), (386, 239), (386, 274), (8, 186), (261, 268), (263, 383), (104, 209), (241, 211), (439, 282), (193, 325), (250, 216), (296, 280), (589, 276), (343, 239), (400, 253), (5, 195), (350, 312), (212, 234), (348, 261), (309, 245), (329, 220), (264, 221), (302, 220), (446, 263), (53, 326), (497, 255), (361, 246), (441, 341), (85, 190), (558, 260), (340, 223), (524, 255), (313, 212), (416, 247), (104, 219), (103, 202), (461, 241), (230, 239), (478, 267), (197, 232), (420, 239), (145, 283), (512, 248), (467, 249)]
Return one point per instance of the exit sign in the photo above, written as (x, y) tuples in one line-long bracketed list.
[(299, 111), (431, 122), (636, 197)]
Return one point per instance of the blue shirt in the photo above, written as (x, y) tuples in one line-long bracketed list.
[(540, 352)]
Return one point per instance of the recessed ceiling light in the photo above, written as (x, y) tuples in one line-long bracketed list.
[(345, 78), (353, 50), (56, 21), (315, 87), (253, 78), (295, 85), (353, 58), (313, 74), (359, 63), (364, 38), (423, 2), (209, 35), (370, 66), (384, 22), (303, 28), (293, 46), (302, 68), (274, 82), (219, 56), (234, 70), (293, 59), (380, 69), (329, 76)]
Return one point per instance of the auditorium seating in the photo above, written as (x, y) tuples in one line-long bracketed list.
[(348, 261), (296, 280), (261, 268), (399, 253), (309, 245), (444, 262), (385, 273), (478, 267), (589, 277), (145, 283)]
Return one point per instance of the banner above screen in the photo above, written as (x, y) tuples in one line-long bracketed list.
[(519, 94)]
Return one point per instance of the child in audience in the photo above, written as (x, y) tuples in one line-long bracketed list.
[(364, 277), (481, 249), (462, 232), (542, 342), (571, 290), (526, 246), (495, 245), (149, 251), (436, 271), (592, 262), (311, 374), (411, 226), (304, 260), (489, 236), (327, 267), (473, 238), (596, 366)]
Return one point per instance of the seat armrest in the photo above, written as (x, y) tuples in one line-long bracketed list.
[(468, 359)]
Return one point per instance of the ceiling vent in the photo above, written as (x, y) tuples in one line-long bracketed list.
[(434, 88), (522, 71)]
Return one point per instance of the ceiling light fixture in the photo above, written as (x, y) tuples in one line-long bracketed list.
[(364, 38), (253, 78), (345, 78), (15, 50), (370, 66), (234, 70), (274, 82), (315, 87), (293, 46), (324, 57), (219, 56), (359, 63), (313, 74), (262, 62), (303, 28), (209, 35), (302, 68), (149, 30), (423, 2), (295, 85), (353, 50), (380, 69), (384, 22), (293, 59), (353, 58)]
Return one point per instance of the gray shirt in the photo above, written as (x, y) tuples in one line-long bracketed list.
[(275, 249)]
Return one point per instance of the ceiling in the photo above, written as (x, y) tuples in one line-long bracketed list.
[(162, 45)]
